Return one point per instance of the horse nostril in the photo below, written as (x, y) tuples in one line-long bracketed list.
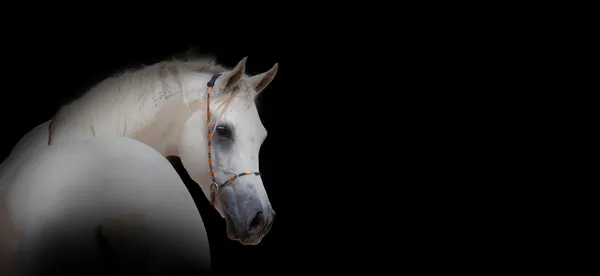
[(257, 221)]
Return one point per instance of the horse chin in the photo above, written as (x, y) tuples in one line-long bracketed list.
[(246, 241), (254, 241)]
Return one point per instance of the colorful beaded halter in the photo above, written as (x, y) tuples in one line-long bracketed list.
[(214, 186)]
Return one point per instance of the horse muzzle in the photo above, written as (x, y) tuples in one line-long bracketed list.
[(249, 227)]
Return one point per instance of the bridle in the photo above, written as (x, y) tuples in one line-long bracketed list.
[(214, 186)]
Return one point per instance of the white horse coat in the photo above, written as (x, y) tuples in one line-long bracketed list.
[(114, 191), (30, 146)]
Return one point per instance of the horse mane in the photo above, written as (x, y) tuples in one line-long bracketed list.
[(144, 90)]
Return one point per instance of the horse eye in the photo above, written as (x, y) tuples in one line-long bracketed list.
[(224, 131)]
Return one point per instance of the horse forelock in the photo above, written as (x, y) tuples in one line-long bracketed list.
[(241, 92)]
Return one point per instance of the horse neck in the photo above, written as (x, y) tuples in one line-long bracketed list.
[(153, 115)]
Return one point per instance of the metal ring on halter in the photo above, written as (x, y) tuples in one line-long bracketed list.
[(214, 188)]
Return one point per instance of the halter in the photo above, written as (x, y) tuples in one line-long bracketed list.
[(214, 186)]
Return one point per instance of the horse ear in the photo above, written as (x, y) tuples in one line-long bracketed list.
[(236, 74), (261, 81)]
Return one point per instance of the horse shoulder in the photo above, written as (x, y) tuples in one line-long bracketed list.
[(162, 205)]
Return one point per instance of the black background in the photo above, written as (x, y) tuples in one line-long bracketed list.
[(372, 155)]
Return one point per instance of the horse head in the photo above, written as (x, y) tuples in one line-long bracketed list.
[(225, 136)]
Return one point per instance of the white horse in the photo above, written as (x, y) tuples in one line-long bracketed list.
[(97, 170)]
